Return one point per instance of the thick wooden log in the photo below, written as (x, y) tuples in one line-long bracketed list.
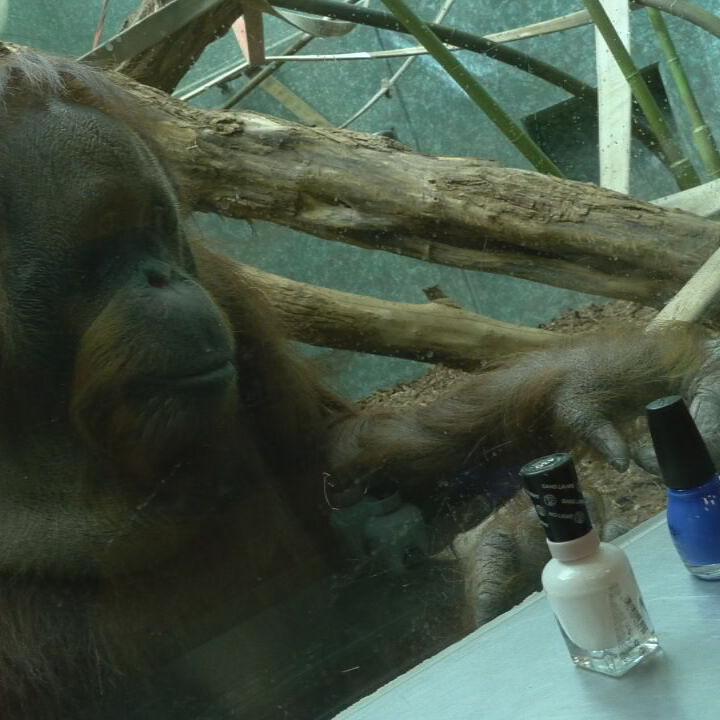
[(463, 212)]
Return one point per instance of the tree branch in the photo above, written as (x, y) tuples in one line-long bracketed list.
[(463, 212), (430, 332)]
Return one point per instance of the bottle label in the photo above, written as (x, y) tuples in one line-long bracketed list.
[(629, 614), (603, 620)]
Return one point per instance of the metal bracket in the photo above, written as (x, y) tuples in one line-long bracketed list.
[(319, 27), (250, 34)]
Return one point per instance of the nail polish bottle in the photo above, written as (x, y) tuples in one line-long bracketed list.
[(589, 584), (693, 498)]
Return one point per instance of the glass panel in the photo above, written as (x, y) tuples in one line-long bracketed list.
[(277, 338)]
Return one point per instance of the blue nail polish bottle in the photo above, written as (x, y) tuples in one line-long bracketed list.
[(693, 512)]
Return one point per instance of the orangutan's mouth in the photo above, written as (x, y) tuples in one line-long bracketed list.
[(214, 376)]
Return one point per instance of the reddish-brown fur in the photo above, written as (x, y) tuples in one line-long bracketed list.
[(134, 526)]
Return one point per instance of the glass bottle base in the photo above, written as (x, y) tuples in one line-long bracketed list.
[(613, 661), (705, 572)]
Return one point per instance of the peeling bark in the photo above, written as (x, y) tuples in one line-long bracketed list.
[(463, 212)]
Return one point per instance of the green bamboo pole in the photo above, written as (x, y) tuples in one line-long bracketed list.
[(474, 90), (702, 135), (681, 168), (687, 11)]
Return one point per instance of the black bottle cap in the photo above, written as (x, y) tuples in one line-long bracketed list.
[(683, 458), (552, 485)]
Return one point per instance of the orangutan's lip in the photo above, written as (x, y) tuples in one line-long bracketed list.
[(220, 374)]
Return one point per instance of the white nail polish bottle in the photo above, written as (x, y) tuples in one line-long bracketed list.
[(589, 584)]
